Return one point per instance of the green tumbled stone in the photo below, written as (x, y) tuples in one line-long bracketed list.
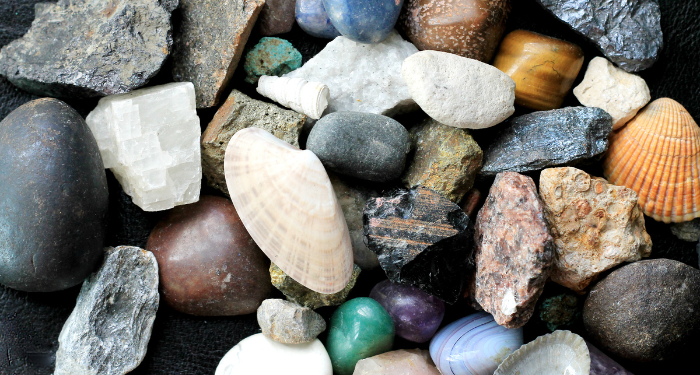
[(270, 57), (359, 329)]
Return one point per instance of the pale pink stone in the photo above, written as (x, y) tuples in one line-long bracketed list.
[(398, 362)]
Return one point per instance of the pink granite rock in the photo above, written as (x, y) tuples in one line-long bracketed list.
[(514, 251), (398, 362), (276, 17)]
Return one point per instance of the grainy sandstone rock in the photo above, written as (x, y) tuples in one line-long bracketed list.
[(404, 362), (306, 297), (108, 331), (619, 93), (514, 251), (595, 225), (289, 323), (237, 113), (458, 91)]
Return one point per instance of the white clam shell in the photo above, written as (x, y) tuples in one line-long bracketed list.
[(286, 202), (309, 98), (558, 353)]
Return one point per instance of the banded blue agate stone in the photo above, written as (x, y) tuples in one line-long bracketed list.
[(364, 21)]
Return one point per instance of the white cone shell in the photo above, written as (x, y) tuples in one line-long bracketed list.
[(558, 353), (286, 202), (309, 98)]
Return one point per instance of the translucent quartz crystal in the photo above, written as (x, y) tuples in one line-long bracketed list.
[(149, 138)]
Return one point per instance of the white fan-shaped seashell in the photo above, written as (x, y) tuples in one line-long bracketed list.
[(558, 353), (309, 98), (286, 202)]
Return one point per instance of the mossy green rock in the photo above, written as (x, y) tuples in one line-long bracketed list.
[(306, 297), (271, 57), (359, 329)]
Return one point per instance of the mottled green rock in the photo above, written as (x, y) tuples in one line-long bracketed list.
[(306, 297), (446, 159), (561, 311), (271, 57), (359, 329), (237, 113)]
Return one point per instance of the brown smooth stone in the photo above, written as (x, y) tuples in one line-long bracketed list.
[(543, 68), (208, 263), (469, 28)]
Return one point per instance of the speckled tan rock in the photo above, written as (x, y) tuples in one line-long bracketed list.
[(446, 159), (514, 250), (306, 297), (617, 92), (595, 225)]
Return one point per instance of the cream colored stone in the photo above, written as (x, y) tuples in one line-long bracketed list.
[(595, 225), (619, 93), (397, 362)]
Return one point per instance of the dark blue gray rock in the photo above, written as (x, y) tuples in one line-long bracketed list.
[(363, 145), (628, 32), (546, 139)]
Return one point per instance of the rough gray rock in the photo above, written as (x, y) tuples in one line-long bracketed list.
[(544, 139), (628, 32), (108, 331), (289, 323), (687, 231), (81, 48)]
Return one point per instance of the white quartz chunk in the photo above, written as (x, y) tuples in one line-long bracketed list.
[(149, 138)]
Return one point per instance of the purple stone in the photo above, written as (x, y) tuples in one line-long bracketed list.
[(601, 364), (416, 314)]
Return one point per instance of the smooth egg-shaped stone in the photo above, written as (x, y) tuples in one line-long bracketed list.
[(208, 263), (364, 21), (473, 345), (312, 17), (53, 198), (363, 145), (416, 314), (260, 355), (359, 328)]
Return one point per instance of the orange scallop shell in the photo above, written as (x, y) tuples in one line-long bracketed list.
[(657, 154)]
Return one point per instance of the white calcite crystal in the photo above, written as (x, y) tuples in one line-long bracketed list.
[(362, 77), (149, 138)]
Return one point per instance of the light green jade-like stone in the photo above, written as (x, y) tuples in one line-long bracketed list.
[(360, 328)]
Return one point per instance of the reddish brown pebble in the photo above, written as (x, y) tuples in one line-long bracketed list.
[(209, 264), (276, 17), (514, 251), (469, 28), (471, 202)]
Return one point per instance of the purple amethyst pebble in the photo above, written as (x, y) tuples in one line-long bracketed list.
[(416, 314)]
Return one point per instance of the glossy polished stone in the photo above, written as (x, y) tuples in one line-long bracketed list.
[(543, 68), (359, 328), (364, 21), (209, 264), (312, 17), (416, 314)]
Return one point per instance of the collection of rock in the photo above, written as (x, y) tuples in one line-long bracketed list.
[(387, 195)]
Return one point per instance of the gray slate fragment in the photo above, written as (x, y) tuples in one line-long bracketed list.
[(545, 139), (108, 331), (82, 48), (289, 323), (687, 231), (628, 32)]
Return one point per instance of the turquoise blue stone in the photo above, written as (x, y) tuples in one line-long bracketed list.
[(364, 21), (359, 329), (312, 17), (270, 57)]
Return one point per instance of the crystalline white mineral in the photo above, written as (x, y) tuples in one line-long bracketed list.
[(362, 77), (149, 138)]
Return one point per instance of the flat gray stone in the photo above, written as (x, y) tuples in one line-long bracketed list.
[(289, 323)]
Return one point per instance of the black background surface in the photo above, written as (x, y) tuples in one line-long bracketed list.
[(183, 344)]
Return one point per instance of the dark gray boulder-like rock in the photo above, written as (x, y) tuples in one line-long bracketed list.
[(561, 137), (363, 145), (628, 32), (646, 311), (108, 331), (81, 48)]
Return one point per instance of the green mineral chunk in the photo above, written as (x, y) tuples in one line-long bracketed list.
[(560, 312), (306, 297), (271, 57)]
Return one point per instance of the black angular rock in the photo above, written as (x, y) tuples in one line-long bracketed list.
[(53, 198), (628, 32), (363, 145), (422, 239), (545, 139), (81, 48)]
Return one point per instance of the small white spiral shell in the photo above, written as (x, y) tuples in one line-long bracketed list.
[(309, 98)]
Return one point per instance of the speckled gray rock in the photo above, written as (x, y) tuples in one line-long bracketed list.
[(628, 32), (545, 139), (108, 331), (646, 311), (81, 48), (363, 145), (289, 323), (237, 113), (687, 230)]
